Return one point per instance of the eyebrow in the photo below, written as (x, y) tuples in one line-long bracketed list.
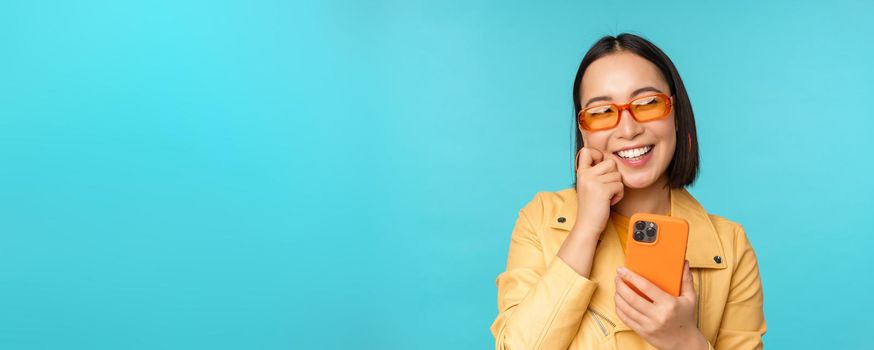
[(633, 93)]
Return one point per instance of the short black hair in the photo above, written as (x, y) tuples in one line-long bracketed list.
[(683, 168)]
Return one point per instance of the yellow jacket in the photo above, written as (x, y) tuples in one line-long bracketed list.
[(544, 304)]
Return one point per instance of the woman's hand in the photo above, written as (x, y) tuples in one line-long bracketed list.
[(667, 322), (599, 186)]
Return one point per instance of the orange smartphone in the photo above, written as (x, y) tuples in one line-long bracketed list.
[(656, 250)]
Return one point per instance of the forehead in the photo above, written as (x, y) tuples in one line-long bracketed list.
[(617, 75)]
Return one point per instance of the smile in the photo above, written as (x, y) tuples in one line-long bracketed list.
[(634, 153)]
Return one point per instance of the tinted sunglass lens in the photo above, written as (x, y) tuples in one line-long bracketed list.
[(651, 107), (600, 117)]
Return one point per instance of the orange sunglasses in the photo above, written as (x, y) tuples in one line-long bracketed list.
[(643, 109)]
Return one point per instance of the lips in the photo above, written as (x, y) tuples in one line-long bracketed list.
[(634, 153)]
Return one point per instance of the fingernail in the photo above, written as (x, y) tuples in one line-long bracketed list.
[(621, 270)]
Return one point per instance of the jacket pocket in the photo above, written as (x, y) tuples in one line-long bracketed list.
[(601, 321)]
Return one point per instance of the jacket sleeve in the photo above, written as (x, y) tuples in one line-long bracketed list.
[(743, 321), (540, 306)]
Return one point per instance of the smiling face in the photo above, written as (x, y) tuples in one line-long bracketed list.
[(643, 151)]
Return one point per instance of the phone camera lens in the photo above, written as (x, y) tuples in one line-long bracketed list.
[(650, 231), (639, 225), (638, 235)]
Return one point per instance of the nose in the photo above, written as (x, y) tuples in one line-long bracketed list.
[(628, 127)]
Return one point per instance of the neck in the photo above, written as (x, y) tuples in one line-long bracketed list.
[(655, 199)]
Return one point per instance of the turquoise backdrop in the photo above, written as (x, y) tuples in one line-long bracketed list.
[(346, 174)]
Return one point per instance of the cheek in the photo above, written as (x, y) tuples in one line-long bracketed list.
[(668, 145), (596, 140), (666, 134)]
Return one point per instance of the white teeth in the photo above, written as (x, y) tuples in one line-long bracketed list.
[(634, 153)]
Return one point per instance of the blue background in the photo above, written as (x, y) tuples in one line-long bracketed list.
[(339, 174)]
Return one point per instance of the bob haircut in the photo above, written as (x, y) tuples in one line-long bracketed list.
[(683, 168)]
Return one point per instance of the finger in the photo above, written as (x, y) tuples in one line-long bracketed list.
[(619, 194), (688, 287), (597, 156), (617, 190), (634, 301), (626, 314), (606, 166), (646, 287), (577, 162), (584, 160), (612, 176)]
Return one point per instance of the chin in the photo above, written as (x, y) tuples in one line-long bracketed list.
[(638, 181), (645, 176)]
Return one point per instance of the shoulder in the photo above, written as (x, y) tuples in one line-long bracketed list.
[(734, 239), (723, 237), (557, 199), (724, 226), (728, 230), (545, 204)]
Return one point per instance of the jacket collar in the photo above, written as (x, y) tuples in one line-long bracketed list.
[(703, 246)]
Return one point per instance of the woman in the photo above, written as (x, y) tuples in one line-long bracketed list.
[(564, 286)]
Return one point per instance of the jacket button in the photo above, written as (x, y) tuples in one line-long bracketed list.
[(717, 259), (561, 219)]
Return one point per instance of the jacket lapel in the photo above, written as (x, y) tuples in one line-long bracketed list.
[(704, 249)]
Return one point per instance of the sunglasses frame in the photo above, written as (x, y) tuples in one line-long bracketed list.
[(620, 108)]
